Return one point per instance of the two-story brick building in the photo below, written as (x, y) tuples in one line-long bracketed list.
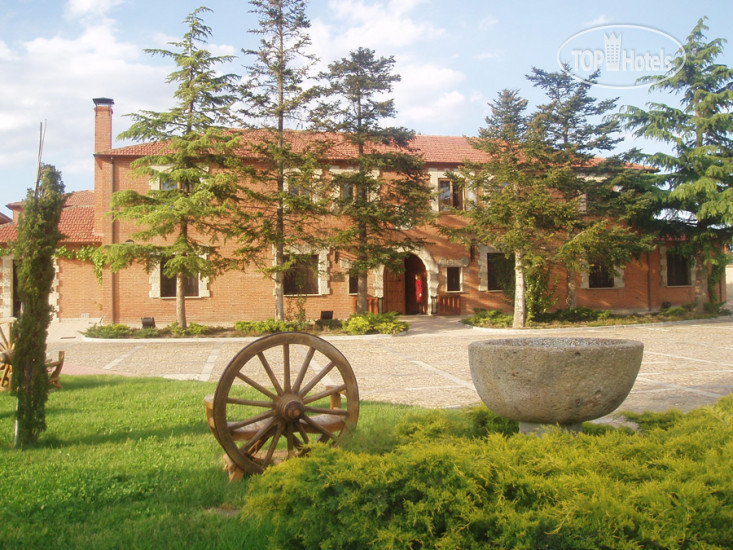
[(456, 278)]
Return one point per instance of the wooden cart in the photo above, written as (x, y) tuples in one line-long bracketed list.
[(277, 395)]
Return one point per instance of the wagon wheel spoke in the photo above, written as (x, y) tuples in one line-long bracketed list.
[(335, 412), (286, 368), (251, 420), (258, 437), (323, 431), (273, 445), (333, 390), (247, 380), (249, 402), (303, 369), (324, 371), (291, 440), (270, 373)]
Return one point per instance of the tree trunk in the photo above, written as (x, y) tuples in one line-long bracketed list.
[(279, 284), (181, 300), (362, 300), (520, 303), (701, 283), (571, 297)]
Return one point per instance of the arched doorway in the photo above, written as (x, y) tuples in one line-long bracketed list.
[(400, 289)]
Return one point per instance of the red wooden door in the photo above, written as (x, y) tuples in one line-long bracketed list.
[(394, 292)]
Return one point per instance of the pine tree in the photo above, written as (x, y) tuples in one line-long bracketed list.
[(614, 197), (698, 174), (38, 237), (280, 203), (385, 192), (194, 166), (518, 209)]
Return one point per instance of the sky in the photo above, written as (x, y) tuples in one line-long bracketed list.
[(453, 56)]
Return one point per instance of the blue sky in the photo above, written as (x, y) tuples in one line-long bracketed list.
[(453, 56)]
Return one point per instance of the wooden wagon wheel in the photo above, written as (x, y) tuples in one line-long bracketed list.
[(291, 372), (7, 346)]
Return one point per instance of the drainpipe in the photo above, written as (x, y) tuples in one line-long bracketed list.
[(114, 276), (649, 279)]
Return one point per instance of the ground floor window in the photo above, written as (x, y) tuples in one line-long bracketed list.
[(500, 270), (302, 276), (353, 284), (453, 279), (678, 270), (168, 285), (600, 277)]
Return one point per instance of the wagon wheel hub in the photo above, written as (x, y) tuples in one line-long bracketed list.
[(290, 407)]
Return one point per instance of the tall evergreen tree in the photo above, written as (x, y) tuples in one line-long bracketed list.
[(613, 195), (385, 191), (194, 167), (38, 237), (698, 173), (518, 209), (280, 203)]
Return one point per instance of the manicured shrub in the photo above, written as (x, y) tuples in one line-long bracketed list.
[(193, 329), (489, 318), (269, 326), (374, 323), (666, 487), (108, 331)]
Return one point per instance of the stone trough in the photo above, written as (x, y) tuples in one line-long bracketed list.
[(554, 381)]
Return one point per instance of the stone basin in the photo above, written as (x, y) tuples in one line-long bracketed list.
[(564, 381)]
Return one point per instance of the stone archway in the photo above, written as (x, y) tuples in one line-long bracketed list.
[(431, 274)]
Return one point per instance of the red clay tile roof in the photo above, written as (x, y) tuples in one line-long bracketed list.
[(77, 221), (434, 149)]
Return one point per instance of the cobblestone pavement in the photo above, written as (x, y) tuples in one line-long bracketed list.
[(686, 365)]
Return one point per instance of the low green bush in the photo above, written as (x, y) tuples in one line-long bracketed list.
[(668, 486), (108, 331), (270, 326), (193, 329), (374, 323), (489, 318)]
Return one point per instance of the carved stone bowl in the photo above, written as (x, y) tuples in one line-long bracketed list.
[(563, 381)]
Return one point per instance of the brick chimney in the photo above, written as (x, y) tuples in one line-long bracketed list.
[(102, 123)]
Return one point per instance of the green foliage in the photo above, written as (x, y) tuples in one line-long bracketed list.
[(374, 323), (664, 488), (90, 254), (270, 326), (125, 462), (695, 180), (38, 237), (186, 210), (193, 329), (575, 315), (115, 330), (373, 211), (489, 318)]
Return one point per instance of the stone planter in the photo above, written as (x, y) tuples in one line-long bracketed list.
[(565, 381)]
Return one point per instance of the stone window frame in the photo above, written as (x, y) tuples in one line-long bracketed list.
[(434, 177), (618, 280), (154, 280), (324, 278), (6, 292), (461, 264)]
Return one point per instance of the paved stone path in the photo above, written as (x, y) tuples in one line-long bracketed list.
[(686, 365)]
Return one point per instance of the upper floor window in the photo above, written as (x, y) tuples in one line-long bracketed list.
[(678, 270), (302, 276), (353, 284), (450, 195)]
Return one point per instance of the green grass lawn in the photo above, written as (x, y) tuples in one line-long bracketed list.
[(130, 463)]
